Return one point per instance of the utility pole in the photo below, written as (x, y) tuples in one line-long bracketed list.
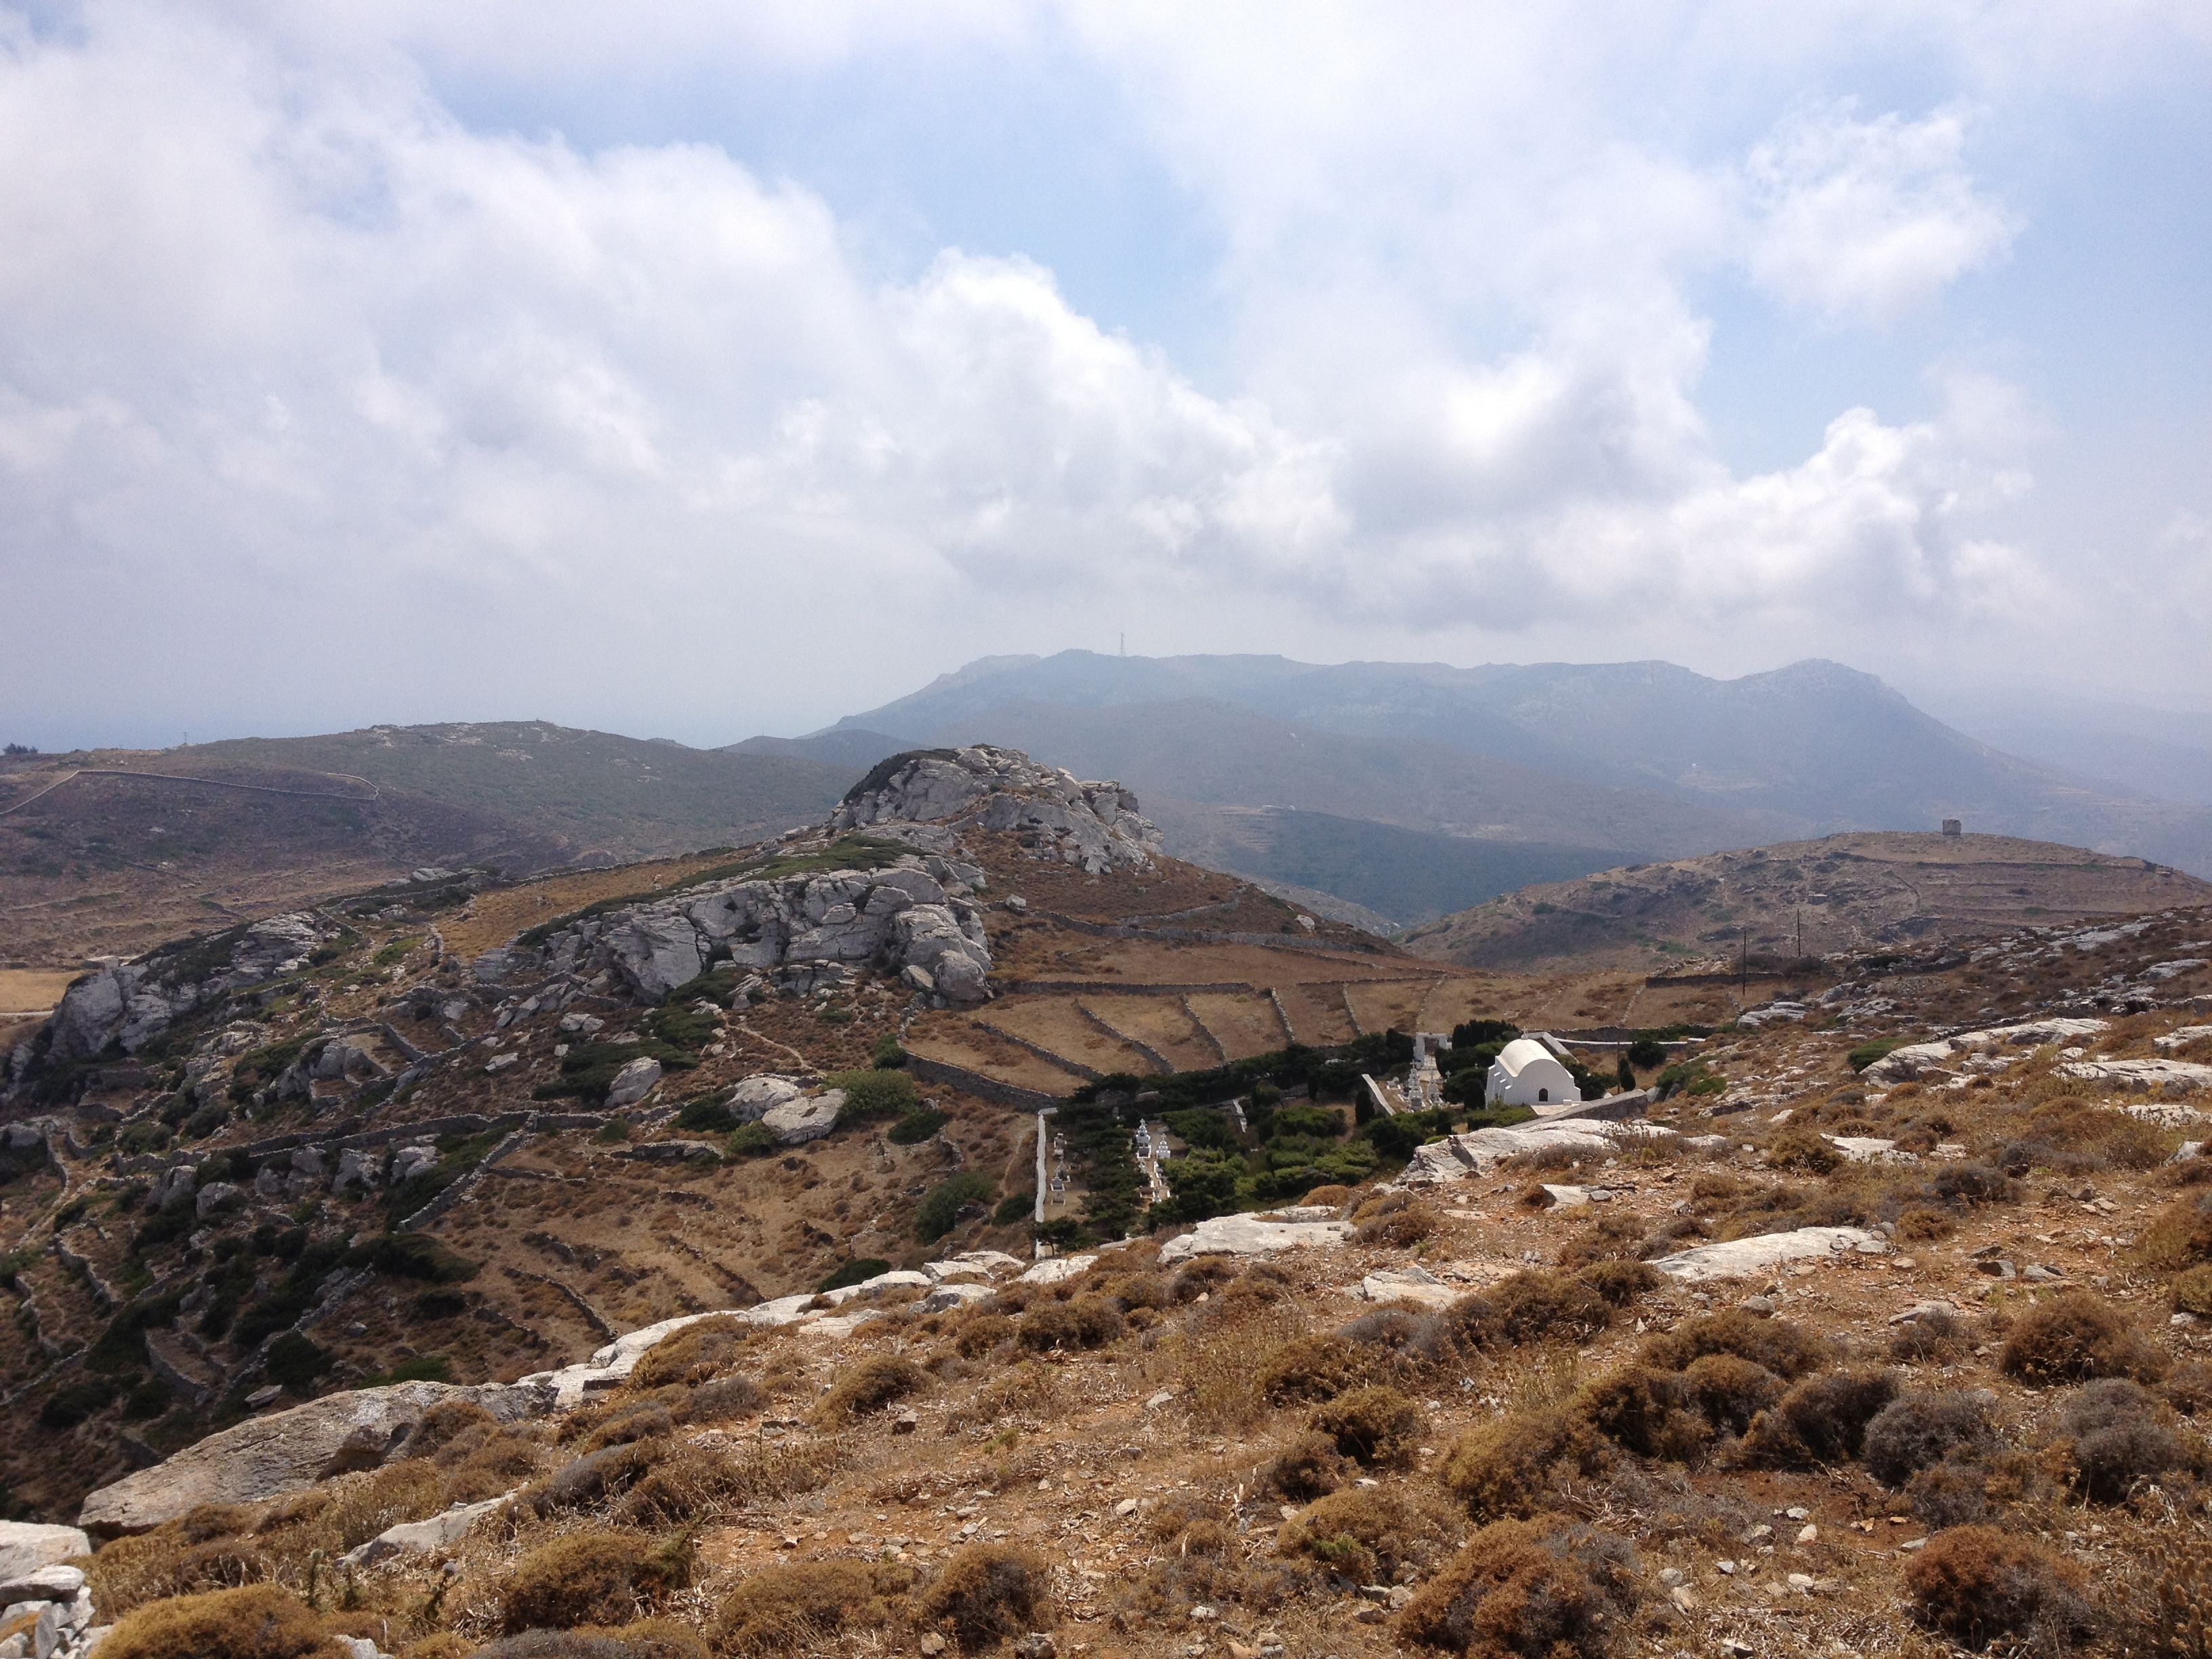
[(1125, 644), (1743, 966)]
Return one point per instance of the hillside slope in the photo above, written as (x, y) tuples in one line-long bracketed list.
[(95, 863), (1854, 892)]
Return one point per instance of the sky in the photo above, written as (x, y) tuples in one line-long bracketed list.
[(696, 370)]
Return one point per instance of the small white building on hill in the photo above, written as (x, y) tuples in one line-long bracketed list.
[(1527, 1073)]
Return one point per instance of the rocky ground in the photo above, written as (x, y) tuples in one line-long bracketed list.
[(1861, 892), (1880, 1331)]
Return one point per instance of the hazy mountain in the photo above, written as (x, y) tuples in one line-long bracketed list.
[(609, 795), (1809, 749)]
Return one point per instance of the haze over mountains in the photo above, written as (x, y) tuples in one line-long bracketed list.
[(1501, 773)]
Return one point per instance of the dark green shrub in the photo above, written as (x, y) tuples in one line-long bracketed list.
[(873, 1094), (412, 1255), (940, 1212), (706, 1114), (752, 1140), (916, 1127), (297, 1362), (71, 1403), (857, 1271), (1014, 1206)]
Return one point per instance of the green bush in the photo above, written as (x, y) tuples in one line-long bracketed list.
[(752, 1140), (873, 1094), (426, 1368), (413, 1256), (887, 1054), (706, 1113), (916, 1127), (71, 1403), (1867, 1053), (297, 1362), (858, 1270), (940, 1211), (1014, 1206)]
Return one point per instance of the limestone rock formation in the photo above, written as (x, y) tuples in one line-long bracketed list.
[(287, 1451), (128, 1003), (1093, 825)]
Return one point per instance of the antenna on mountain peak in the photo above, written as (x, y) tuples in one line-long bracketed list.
[(1125, 645)]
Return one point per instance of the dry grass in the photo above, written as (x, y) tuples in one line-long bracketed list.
[(808, 1605)]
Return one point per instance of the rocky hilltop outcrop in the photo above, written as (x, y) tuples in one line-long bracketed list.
[(914, 918), (1093, 825)]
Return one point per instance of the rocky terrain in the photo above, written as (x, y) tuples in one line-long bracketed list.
[(111, 851), (552, 1268), (1857, 892)]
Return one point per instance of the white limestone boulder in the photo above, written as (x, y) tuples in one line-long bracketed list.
[(795, 1122), (28, 1545), (1247, 1235), (634, 1082), (1740, 1258), (756, 1097)]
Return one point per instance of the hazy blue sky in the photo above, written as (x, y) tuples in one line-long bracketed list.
[(695, 370)]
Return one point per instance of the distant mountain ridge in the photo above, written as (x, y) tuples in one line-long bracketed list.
[(1560, 760)]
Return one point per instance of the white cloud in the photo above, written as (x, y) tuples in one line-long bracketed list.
[(284, 342), (1865, 221)]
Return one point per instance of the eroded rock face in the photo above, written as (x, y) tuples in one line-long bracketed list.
[(1903, 1064), (888, 918), (1093, 825), (26, 1547), (128, 1003), (1247, 1235), (287, 1451)]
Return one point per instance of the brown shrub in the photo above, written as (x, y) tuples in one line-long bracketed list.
[(2180, 1236), (607, 1472), (2118, 1439), (1088, 1322), (1716, 1186), (442, 1424), (1730, 1391), (692, 1354), (594, 1578), (1922, 1224), (1975, 1584), (1262, 1282), (1364, 1533), (1935, 1338), (2189, 1389), (1822, 1420), (1508, 1467), (877, 1382), (714, 1479), (723, 1398), (1309, 1467), (648, 1639), (1642, 1410), (1028, 1390), (258, 1622), (982, 1333), (1803, 1151), (1787, 1350), (1621, 1282), (1333, 1196), (1533, 1590), (1920, 1429), (1608, 1237), (2074, 1337), (129, 1572), (987, 1592), (2193, 1291), (1533, 1307), (804, 1607), (1202, 1277), (1313, 1367), (642, 1420), (1374, 1426), (1403, 1228)]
